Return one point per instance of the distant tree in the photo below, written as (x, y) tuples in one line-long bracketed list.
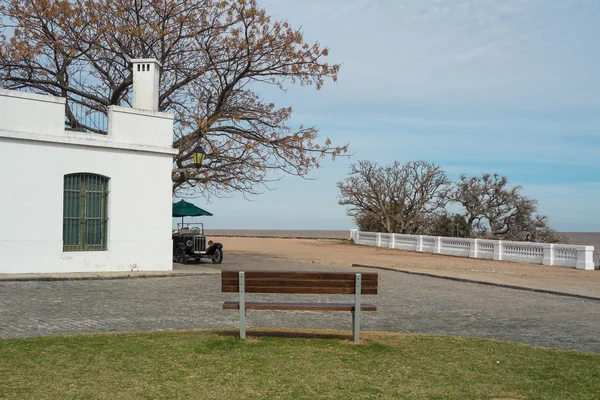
[(395, 198), (214, 56), (369, 222), (493, 209), (447, 224), (411, 198)]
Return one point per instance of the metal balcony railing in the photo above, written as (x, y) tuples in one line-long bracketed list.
[(80, 117)]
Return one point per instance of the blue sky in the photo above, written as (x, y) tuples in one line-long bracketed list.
[(476, 86)]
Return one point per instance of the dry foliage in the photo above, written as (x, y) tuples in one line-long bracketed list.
[(492, 209), (413, 199), (215, 54), (395, 198)]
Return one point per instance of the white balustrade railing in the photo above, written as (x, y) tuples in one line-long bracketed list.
[(565, 255)]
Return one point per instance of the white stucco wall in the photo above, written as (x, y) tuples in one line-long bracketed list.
[(138, 127), (31, 113), (33, 162)]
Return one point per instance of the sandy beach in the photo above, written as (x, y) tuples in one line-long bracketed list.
[(342, 253)]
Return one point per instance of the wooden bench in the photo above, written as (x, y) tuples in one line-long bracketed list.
[(299, 283)]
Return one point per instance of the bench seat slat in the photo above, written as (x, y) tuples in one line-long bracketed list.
[(299, 290), (234, 305), (299, 282), (366, 276)]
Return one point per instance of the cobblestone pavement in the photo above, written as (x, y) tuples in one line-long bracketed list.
[(406, 303)]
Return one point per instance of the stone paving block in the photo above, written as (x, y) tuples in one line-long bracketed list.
[(406, 303)]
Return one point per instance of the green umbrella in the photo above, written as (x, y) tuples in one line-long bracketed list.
[(184, 209)]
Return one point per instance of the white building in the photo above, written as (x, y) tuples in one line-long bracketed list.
[(86, 202)]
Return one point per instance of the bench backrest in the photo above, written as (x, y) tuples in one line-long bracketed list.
[(299, 282)]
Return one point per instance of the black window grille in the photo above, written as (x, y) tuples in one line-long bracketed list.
[(85, 212)]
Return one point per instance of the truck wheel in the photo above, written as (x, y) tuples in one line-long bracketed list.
[(217, 258)]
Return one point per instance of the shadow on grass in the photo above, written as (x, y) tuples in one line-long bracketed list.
[(287, 334)]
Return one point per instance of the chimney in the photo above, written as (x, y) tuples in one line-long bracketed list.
[(146, 77)]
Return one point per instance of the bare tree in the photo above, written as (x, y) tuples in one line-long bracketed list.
[(492, 209), (394, 198), (446, 224), (215, 55), (369, 222)]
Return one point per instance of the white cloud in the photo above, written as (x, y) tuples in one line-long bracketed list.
[(536, 54)]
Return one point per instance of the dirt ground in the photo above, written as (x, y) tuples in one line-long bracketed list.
[(342, 253)]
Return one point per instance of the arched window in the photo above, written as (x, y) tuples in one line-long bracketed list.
[(85, 213)]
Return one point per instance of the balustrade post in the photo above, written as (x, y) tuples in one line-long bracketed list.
[(585, 258), (420, 243), (474, 248), (379, 240), (437, 248), (393, 241), (498, 250), (356, 236), (548, 254)]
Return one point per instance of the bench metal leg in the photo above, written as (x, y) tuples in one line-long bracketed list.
[(356, 312), (242, 290), (356, 327)]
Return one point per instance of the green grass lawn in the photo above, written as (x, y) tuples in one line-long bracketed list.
[(217, 365)]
